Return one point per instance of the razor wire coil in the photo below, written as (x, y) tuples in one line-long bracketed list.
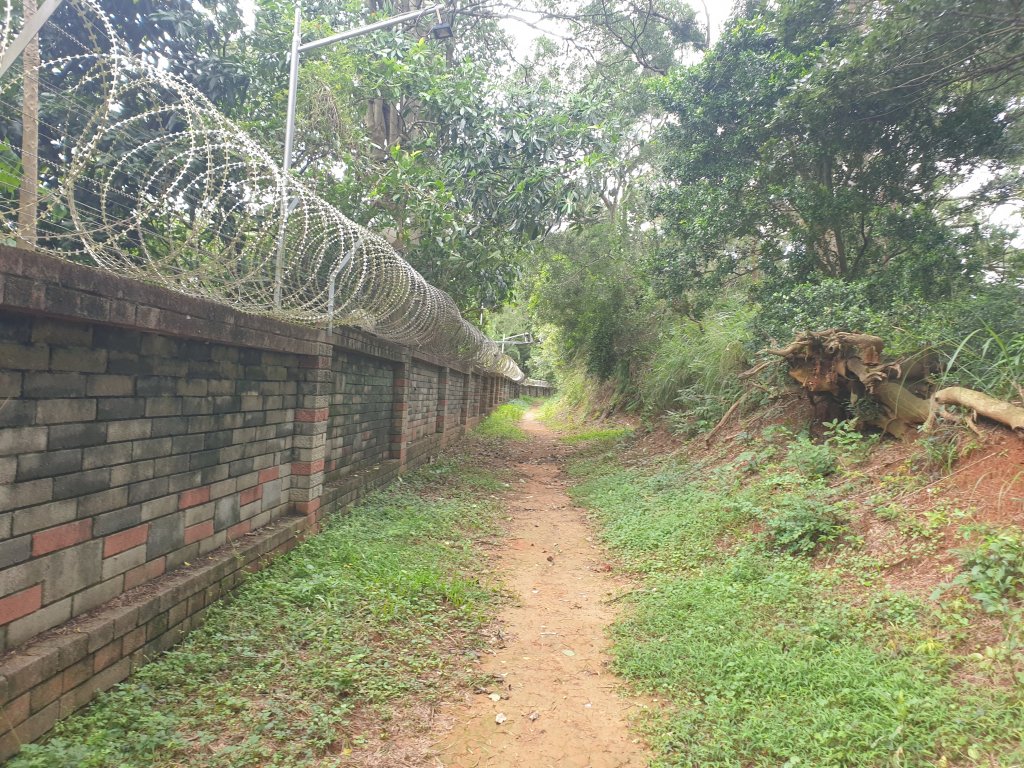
[(173, 192)]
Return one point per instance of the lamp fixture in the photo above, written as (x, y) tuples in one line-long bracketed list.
[(442, 30)]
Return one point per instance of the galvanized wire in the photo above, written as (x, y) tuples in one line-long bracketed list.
[(162, 187)]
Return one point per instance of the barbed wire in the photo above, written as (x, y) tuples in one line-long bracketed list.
[(159, 185)]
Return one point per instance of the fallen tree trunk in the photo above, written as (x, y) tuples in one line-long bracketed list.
[(1005, 413)]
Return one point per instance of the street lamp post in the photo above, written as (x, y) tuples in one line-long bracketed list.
[(441, 30)]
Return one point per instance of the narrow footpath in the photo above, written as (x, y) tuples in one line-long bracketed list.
[(559, 704)]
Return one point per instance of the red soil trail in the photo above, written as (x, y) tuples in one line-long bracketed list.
[(561, 705)]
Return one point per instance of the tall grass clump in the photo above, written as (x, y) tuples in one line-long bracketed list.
[(693, 370)]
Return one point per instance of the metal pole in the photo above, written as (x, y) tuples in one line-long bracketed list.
[(389, 22), (28, 31), (286, 165)]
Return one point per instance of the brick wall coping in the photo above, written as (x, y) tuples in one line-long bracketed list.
[(36, 283)]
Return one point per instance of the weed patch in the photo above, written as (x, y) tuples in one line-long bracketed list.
[(761, 657), (503, 422)]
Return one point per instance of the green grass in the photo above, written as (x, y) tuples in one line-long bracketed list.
[(370, 611), (503, 422), (762, 659)]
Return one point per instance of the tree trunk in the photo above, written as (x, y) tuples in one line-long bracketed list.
[(28, 195)]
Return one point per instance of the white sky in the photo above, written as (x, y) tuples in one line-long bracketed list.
[(525, 35)]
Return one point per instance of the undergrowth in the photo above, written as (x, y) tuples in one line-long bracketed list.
[(370, 610), (763, 657), (503, 421)]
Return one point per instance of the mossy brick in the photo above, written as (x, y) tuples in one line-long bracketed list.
[(117, 520), (108, 385), (226, 404), (184, 555), (38, 724), (97, 595), (76, 674), (131, 429), (46, 692), (153, 448), (24, 357), (94, 504), (159, 507), (17, 327), (43, 516), (78, 359), (45, 618), (148, 490), (113, 455), (170, 426), (133, 471), (65, 411), (14, 551), (81, 435), (119, 339), (81, 483), (198, 514), (160, 346), (120, 408), (226, 512), (184, 481), (123, 562), (156, 386), (144, 573), (163, 406), (17, 413), (166, 534), (10, 383), (18, 495), (49, 384), (187, 444)]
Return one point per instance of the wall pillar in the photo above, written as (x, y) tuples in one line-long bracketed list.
[(442, 399), (309, 442), (400, 411)]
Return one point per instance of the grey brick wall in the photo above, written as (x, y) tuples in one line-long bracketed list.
[(141, 430), (360, 413)]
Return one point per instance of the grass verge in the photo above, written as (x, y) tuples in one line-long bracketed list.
[(503, 421), (312, 652), (762, 657)]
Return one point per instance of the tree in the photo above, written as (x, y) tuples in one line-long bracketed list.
[(793, 157)]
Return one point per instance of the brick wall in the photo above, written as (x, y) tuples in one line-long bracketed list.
[(423, 402), (148, 439), (360, 412)]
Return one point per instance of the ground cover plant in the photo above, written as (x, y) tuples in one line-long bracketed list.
[(310, 657), (762, 653), (503, 423)]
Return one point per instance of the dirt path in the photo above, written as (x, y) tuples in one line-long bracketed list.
[(561, 703)]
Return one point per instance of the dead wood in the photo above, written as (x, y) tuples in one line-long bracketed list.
[(990, 407), (722, 422)]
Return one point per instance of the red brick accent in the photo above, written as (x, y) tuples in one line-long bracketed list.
[(61, 537), (21, 604), (268, 474), (107, 655), (249, 495), (305, 468), (144, 573), (198, 531), (119, 542), (240, 529), (311, 414), (307, 507), (193, 497)]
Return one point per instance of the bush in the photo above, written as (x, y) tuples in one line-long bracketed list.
[(811, 460), (994, 569), (799, 523)]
